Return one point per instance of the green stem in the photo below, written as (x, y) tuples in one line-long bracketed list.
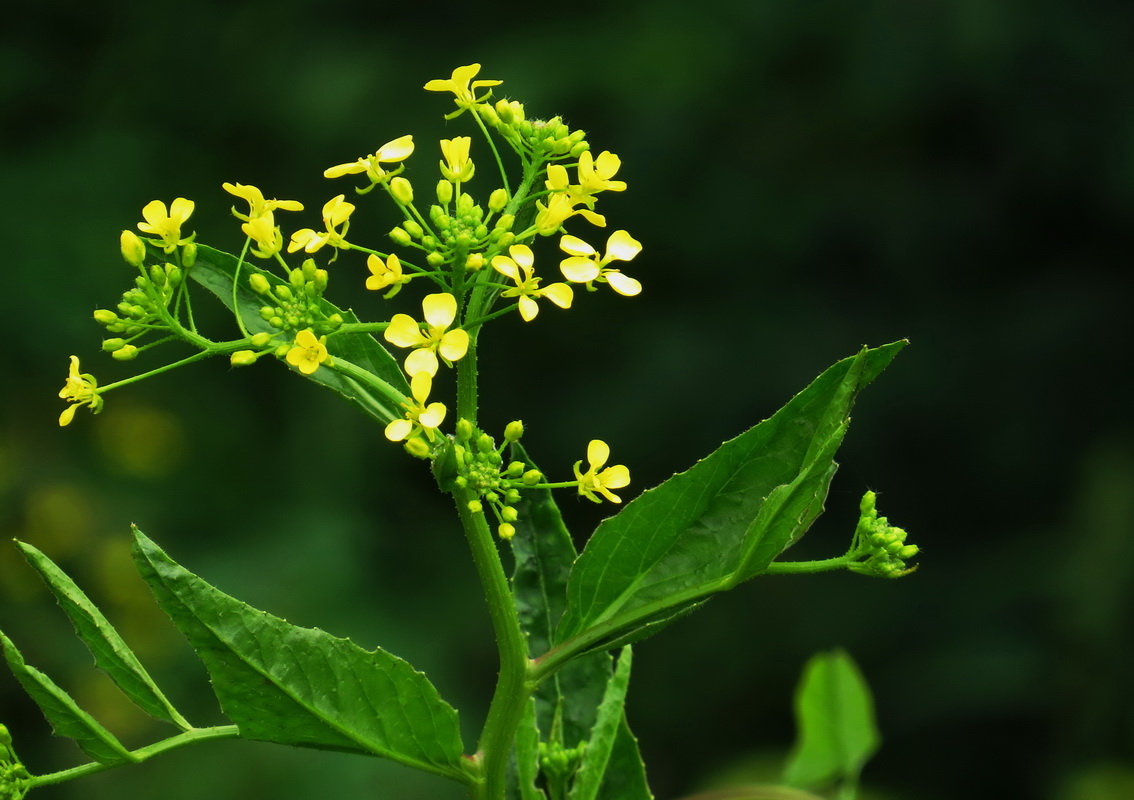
[(512, 687), (141, 754), (801, 567), (467, 380), (158, 370)]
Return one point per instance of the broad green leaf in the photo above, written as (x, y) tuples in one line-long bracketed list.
[(214, 270), (301, 686), (110, 652), (625, 777), (596, 755), (64, 714), (721, 521), (835, 720)]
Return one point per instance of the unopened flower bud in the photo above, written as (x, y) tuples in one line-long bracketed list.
[(417, 447), (243, 358), (475, 506), (125, 353), (514, 431), (867, 504), (401, 190), (508, 514), (515, 469), (105, 316), (531, 477), (497, 200), (435, 259), (110, 345), (464, 429), (333, 322), (908, 551), (259, 283), (283, 292), (474, 262), (321, 278), (189, 254), (261, 339), (484, 443), (444, 192), (399, 236), (133, 248), (512, 496), (413, 229), (506, 530), (157, 275)]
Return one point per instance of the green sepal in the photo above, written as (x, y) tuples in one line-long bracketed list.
[(110, 652), (215, 269), (600, 743), (720, 522), (301, 686), (64, 714), (835, 719)]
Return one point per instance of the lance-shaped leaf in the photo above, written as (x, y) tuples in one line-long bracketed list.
[(301, 686), (596, 755), (721, 521), (64, 714), (625, 777), (835, 719), (110, 652), (524, 774), (214, 270)]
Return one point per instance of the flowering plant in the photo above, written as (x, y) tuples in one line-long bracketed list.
[(556, 726)]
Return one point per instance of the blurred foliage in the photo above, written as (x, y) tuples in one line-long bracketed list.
[(806, 178)]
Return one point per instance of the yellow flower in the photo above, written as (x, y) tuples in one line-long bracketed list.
[(264, 232), (464, 93), (430, 338), (585, 266), (166, 225), (593, 481), (560, 207), (519, 269), (307, 353), (457, 166), (336, 212), (595, 173), (419, 418), (386, 273), (390, 153), (79, 390), (257, 205)]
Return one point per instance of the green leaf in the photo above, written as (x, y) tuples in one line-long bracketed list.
[(721, 521), (64, 714), (835, 720), (301, 686), (596, 755), (110, 652), (526, 767), (625, 777), (214, 270)]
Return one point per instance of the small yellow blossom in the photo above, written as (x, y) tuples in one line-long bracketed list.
[(265, 233), (336, 212), (257, 205), (79, 390), (561, 207), (593, 480), (166, 225), (457, 166), (386, 273), (517, 266), (390, 153), (431, 338), (585, 266), (595, 173), (420, 417), (307, 353), (464, 93)]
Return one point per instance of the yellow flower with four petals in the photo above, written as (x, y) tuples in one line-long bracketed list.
[(257, 205), (390, 153), (386, 273), (464, 92), (517, 266), (166, 225), (307, 353), (594, 481), (419, 417), (457, 166), (431, 338), (585, 266), (336, 213), (79, 390)]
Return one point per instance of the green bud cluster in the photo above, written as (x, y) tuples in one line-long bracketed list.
[(544, 139), (143, 308), (880, 546), (480, 466), (295, 306), (557, 761), (14, 777), (462, 230)]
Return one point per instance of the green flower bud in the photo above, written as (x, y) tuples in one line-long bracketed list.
[(464, 429), (334, 322), (399, 236), (284, 292), (276, 321), (435, 259), (474, 262), (512, 496), (488, 114), (531, 477), (321, 278), (908, 551), (259, 283), (460, 481), (506, 530), (173, 274), (401, 190), (475, 506), (157, 275), (142, 283), (867, 505), (110, 345), (514, 431), (261, 339), (413, 229), (281, 350), (105, 316), (485, 444), (578, 149), (189, 254), (243, 358), (417, 447), (125, 353), (515, 469), (444, 192), (133, 248), (492, 497), (509, 514)]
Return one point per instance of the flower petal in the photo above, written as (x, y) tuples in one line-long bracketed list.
[(579, 270), (432, 416), (397, 150), (623, 284), (598, 452), (615, 477), (621, 246), (440, 309), (573, 245), (421, 360), (528, 308), (454, 345), (404, 331), (398, 430), (559, 293)]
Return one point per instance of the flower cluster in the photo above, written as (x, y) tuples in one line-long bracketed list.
[(479, 467), (880, 547), (259, 224), (14, 778)]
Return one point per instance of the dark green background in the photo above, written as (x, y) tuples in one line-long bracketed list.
[(806, 177)]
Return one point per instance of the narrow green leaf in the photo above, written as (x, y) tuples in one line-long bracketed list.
[(64, 714), (625, 777), (835, 720), (527, 756), (110, 652), (721, 521), (214, 270), (600, 743), (301, 686)]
